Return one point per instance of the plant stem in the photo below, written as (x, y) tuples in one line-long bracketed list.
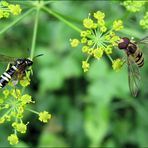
[(33, 111), (34, 34), (61, 18), (16, 21)]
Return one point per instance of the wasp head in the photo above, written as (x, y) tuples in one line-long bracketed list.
[(123, 43), (27, 62)]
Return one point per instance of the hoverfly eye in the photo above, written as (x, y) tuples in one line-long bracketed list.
[(123, 43)]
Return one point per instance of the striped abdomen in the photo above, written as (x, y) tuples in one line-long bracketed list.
[(139, 59), (6, 76)]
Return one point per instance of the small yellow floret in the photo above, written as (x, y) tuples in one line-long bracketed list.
[(44, 116), (85, 66), (117, 25), (74, 42), (15, 9), (13, 139), (88, 23), (98, 53), (117, 64), (99, 15)]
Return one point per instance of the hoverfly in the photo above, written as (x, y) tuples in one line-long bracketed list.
[(16, 69), (135, 60)]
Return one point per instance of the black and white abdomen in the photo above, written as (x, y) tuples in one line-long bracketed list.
[(6, 76)]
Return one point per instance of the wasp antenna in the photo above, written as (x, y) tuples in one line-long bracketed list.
[(38, 56)]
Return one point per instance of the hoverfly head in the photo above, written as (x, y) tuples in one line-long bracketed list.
[(123, 43)]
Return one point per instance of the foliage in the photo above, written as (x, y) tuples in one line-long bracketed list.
[(87, 109)]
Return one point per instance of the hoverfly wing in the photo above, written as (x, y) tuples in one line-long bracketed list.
[(143, 41), (133, 76), (4, 58)]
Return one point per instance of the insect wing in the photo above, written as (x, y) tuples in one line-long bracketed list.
[(143, 40), (4, 58), (133, 76)]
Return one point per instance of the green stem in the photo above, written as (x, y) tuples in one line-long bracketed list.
[(110, 58), (61, 18), (16, 21), (107, 54), (33, 111), (34, 34)]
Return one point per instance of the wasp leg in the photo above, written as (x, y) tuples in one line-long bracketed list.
[(8, 66), (14, 82), (28, 72)]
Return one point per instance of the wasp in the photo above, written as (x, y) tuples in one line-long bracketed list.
[(135, 60), (16, 69)]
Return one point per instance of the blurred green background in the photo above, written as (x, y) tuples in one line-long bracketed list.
[(88, 109)]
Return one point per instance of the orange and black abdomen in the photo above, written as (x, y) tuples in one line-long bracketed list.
[(132, 49), (136, 54), (139, 59)]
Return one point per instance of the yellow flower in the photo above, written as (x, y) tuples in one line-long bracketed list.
[(6, 14), (85, 49), (95, 25), (15, 9), (99, 15), (117, 64), (6, 93), (83, 40), (2, 120), (44, 116), (88, 23), (4, 3), (1, 14), (98, 53), (74, 42), (88, 32), (85, 66), (15, 93), (101, 23), (117, 25), (90, 43), (103, 29), (108, 49), (26, 99), (21, 127), (144, 21), (90, 51), (114, 40), (133, 6), (25, 81), (13, 139), (83, 34), (97, 38)]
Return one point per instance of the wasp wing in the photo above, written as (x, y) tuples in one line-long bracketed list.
[(4, 58), (133, 76)]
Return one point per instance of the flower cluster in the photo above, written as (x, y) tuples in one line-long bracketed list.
[(144, 21), (133, 6), (97, 39), (6, 9), (13, 106)]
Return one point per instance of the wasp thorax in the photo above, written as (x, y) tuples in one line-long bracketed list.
[(123, 43)]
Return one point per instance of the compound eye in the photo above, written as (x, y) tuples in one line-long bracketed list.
[(123, 43)]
